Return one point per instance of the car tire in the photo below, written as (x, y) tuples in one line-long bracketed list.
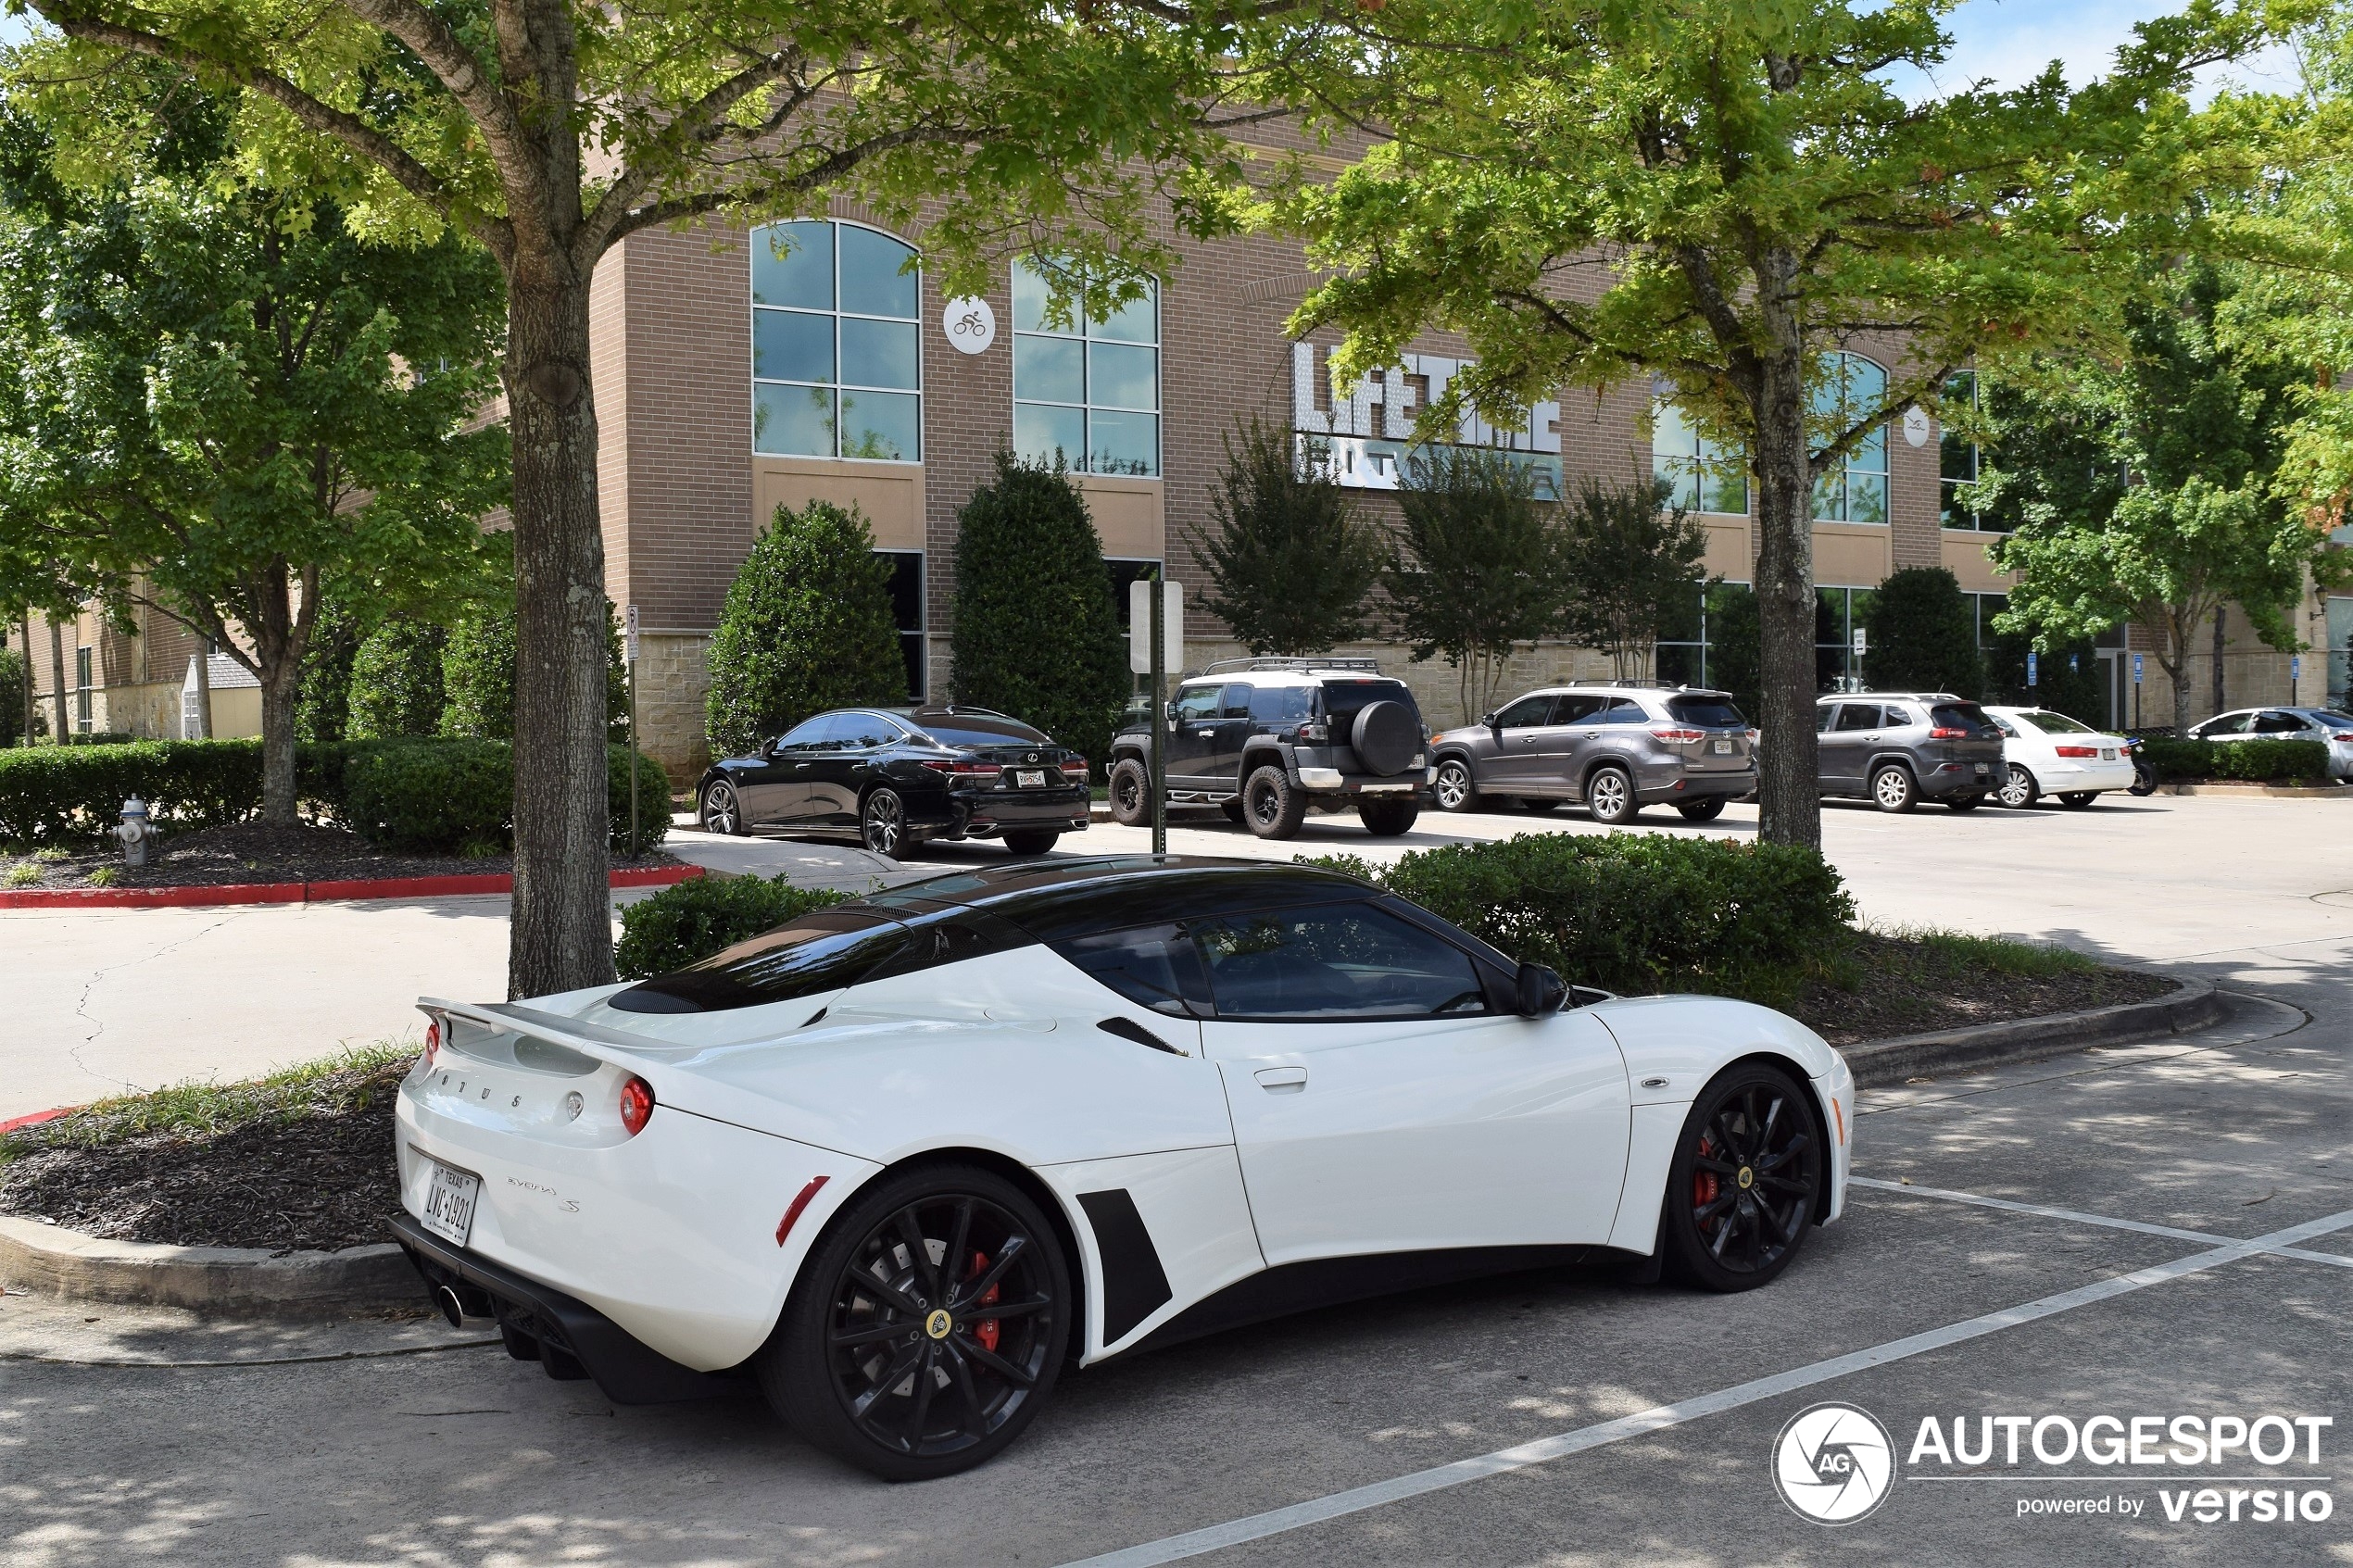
[(1388, 818), (882, 823), (1454, 789), (723, 810), (989, 1378), (1609, 795), (1233, 811), (1894, 789), (1130, 789), (2019, 788), (1702, 810), (1718, 1231), (1965, 803), (1035, 842), (1272, 805), (2078, 799)]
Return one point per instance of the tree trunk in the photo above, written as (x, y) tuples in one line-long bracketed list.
[(2221, 700), (561, 935), (204, 688), (58, 728), (280, 685), (30, 686), (1789, 794)]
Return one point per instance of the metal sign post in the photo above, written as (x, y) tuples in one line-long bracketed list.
[(1156, 641), (2136, 691), (2295, 669), (629, 656)]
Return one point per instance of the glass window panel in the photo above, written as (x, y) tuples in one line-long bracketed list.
[(886, 425), (1685, 477), (1866, 382), (1829, 615), (1119, 376), (1050, 370), (1672, 433), (795, 422), (1829, 499), (1727, 489), (1125, 443), (793, 264), (906, 588), (1043, 433), (871, 283), (1135, 321), (878, 353), (792, 346), (1865, 497), (1870, 453), (1031, 294)]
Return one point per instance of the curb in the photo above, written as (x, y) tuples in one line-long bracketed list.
[(306, 892), (1879, 1063), (2276, 792), (232, 1281)]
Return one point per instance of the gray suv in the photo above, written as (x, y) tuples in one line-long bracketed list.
[(1266, 738), (1898, 748), (1617, 746)]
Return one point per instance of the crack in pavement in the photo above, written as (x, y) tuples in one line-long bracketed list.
[(97, 1026)]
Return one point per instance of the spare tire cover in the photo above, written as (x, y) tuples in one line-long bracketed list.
[(1387, 737)]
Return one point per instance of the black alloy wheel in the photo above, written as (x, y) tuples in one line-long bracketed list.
[(1965, 803), (1388, 816), (1031, 841), (722, 812), (2019, 788), (927, 1326), (2078, 799), (882, 823), (1454, 789), (1130, 789), (1740, 1190), (1609, 796), (1272, 807), (1893, 789), (1702, 810)]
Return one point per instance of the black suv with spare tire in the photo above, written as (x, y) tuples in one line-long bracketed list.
[(1266, 739)]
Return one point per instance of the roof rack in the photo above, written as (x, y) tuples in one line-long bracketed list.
[(1272, 662)]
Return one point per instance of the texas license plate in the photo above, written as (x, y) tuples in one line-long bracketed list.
[(1025, 779), (449, 1202), (1981, 768), (1722, 748), (2107, 754)]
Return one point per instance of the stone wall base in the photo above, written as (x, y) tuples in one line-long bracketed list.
[(674, 676)]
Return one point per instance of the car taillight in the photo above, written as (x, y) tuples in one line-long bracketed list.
[(432, 1043), (1756, 735), (1947, 732), (1680, 737), (1076, 765), (2077, 750), (637, 1105), (964, 770)]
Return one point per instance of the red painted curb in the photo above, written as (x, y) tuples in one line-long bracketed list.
[(306, 892), (38, 1117)]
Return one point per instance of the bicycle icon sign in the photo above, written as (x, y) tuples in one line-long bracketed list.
[(969, 324)]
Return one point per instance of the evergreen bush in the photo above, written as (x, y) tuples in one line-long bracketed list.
[(323, 701), (1735, 641), (2255, 761), (808, 626), (1922, 635), (1036, 636), (1290, 561), (396, 681), (696, 918)]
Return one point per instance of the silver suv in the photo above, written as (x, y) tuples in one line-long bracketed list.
[(1897, 748), (1615, 746)]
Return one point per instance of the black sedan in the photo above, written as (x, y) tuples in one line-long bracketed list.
[(897, 776)]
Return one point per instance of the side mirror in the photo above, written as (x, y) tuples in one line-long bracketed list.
[(1168, 713), (1488, 720), (1540, 991)]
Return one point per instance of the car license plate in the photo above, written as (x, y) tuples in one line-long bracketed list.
[(1722, 748), (1025, 779), (449, 1202), (2107, 754), (1981, 767)]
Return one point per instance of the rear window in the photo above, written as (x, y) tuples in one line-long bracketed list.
[(972, 729), (2052, 724), (1963, 716), (1345, 699), (2330, 719), (823, 950), (1710, 712)]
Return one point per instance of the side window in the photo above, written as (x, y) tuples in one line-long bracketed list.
[(2004, 725), (2278, 724), (2229, 725), (1234, 704), (1578, 708), (1154, 966), (1895, 718), (1858, 716), (1622, 710), (865, 731), (1825, 718), (808, 735), (1281, 705), (1340, 961), (1196, 703), (1527, 713)]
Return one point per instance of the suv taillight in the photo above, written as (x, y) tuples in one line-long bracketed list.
[(1681, 737), (1947, 732), (1318, 731)]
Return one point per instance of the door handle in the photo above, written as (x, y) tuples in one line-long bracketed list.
[(1281, 1080)]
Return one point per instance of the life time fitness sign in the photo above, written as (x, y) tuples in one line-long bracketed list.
[(1369, 425)]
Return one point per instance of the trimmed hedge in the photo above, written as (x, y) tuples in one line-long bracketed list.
[(1636, 912), (697, 917), (2260, 761), (452, 795), (50, 794)]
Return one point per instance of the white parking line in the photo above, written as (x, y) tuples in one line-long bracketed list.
[(1258, 1526), (2079, 1217)]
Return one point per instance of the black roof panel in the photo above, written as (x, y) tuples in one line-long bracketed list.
[(1055, 900)]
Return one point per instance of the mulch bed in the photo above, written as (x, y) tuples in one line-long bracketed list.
[(251, 852), (1905, 991)]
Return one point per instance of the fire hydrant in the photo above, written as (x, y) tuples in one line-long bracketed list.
[(135, 831)]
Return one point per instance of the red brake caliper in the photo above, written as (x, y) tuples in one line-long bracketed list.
[(987, 1329), (1704, 1185)]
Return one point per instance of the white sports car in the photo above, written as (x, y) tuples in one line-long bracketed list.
[(900, 1160)]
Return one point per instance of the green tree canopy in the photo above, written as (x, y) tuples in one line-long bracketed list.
[(1290, 561), (1632, 559), (1922, 634)]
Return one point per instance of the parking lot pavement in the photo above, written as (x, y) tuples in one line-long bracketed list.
[(2142, 1232)]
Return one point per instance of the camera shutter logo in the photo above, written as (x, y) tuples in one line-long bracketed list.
[(1833, 1463)]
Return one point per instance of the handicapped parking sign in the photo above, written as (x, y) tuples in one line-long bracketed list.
[(2137, 669), (2030, 666)]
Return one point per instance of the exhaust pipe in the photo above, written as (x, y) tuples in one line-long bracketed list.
[(451, 1307)]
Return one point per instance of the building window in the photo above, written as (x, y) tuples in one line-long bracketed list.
[(1085, 390), (1854, 490), (1837, 613), (1707, 476), (1958, 457), (81, 690), (2340, 651), (907, 610), (836, 361)]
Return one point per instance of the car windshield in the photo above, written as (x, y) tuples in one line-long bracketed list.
[(1711, 712), (823, 950), (2052, 724), (975, 729), (1345, 699)]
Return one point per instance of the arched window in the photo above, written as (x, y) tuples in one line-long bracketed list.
[(1855, 489), (837, 367), (1087, 389)]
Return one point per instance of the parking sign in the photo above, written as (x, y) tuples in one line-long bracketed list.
[(2137, 669)]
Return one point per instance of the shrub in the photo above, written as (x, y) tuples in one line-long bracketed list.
[(1633, 555), (696, 918), (323, 701), (1636, 912), (478, 675), (396, 681), (2255, 760), (808, 626), (1922, 635), (54, 793), (1035, 632), (1290, 561), (12, 684), (653, 799), (449, 797)]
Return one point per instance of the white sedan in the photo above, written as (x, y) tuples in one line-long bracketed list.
[(898, 1161), (2049, 753)]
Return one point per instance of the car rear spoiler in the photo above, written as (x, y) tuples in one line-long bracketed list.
[(617, 1046)]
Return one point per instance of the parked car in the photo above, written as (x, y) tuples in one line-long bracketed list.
[(2324, 725), (2048, 753), (1898, 748), (1208, 1092), (1615, 746), (1266, 739), (897, 776)]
